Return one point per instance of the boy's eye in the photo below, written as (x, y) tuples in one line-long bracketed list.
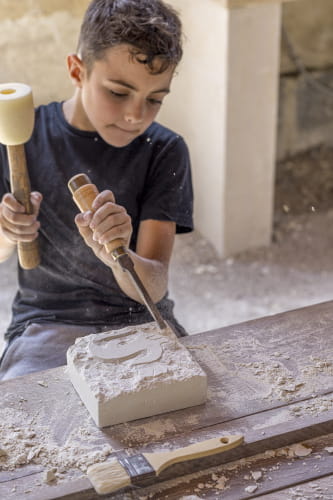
[(155, 102), (117, 94)]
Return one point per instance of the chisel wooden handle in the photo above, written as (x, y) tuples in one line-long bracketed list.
[(28, 252), (84, 193)]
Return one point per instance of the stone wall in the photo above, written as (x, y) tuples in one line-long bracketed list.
[(306, 97), (36, 36), (310, 26)]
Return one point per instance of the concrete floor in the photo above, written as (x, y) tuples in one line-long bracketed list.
[(7, 292), (296, 270)]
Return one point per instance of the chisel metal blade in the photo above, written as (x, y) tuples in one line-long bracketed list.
[(127, 265)]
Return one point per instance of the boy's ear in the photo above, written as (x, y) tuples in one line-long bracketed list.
[(76, 69)]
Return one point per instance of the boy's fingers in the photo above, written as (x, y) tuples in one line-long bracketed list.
[(87, 235), (36, 199), (103, 198), (11, 203), (18, 232), (15, 223), (83, 219)]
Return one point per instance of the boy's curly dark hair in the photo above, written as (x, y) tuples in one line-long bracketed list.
[(151, 27)]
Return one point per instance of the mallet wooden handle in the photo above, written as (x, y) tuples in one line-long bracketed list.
[(28, 252), (84, 194)]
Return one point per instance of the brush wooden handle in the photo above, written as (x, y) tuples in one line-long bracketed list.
[(28, 252), (162, 460), (84, 193)]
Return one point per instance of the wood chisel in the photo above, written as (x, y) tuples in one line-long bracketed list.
[(84, 193)]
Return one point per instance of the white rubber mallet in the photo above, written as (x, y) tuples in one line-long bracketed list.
[(16, 125)]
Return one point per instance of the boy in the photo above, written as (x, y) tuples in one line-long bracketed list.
[(127, 54)]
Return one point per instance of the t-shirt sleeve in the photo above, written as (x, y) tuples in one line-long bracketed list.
[(168, 193)]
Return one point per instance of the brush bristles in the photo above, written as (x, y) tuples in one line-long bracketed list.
[(108, 476)]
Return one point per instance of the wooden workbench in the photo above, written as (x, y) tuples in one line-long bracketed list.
[(270, 379)]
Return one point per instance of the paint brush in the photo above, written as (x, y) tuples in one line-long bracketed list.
[(124, 470)]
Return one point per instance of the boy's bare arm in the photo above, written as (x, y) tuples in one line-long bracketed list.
[(151, 259)]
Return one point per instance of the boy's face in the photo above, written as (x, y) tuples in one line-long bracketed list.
[(119, 99)]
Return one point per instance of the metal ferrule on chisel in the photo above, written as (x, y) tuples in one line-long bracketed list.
[(118, 252)]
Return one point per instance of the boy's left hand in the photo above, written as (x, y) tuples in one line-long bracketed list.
[(106, 222)]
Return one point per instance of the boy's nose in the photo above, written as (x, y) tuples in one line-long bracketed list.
[(134, 113)]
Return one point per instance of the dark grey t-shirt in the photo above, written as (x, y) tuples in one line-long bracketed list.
[(150, 177)]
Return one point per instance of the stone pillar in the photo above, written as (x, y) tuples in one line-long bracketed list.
[(224, 102)]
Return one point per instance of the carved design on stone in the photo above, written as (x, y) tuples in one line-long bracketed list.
[(115, 347)]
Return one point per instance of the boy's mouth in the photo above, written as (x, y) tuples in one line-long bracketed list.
[(126, 131)]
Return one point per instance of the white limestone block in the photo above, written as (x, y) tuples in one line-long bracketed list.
[(135, 372)]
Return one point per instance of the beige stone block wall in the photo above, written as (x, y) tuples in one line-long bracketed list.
[(309, 24), (305, 115), (35, 37)]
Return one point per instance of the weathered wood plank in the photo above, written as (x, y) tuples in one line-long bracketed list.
[(278, 472), (241, 362), (230, 481), (320, 488)]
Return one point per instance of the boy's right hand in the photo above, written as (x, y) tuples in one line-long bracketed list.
[(14, 223)]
